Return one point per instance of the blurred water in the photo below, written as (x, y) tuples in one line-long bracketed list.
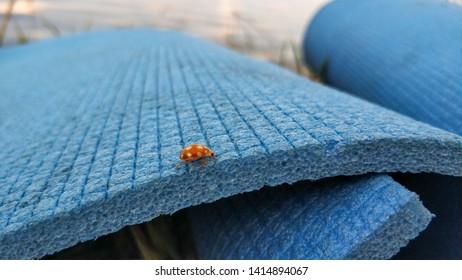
[(257, 23)]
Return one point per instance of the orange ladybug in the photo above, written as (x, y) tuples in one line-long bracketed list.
[(194, 152)]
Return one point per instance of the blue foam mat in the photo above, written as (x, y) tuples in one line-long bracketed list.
[(404, 55), (92, 125), (368, 217)]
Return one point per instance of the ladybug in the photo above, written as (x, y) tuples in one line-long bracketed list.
[(194, 152)]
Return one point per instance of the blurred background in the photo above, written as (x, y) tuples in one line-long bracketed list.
[(265, 29)]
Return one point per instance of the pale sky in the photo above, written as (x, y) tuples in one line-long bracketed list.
[(278, 20)]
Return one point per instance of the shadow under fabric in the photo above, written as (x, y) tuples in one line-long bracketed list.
[(407, 56), (92, 125)]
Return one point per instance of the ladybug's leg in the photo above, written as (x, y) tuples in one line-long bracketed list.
[(204, 162), (182, 163)]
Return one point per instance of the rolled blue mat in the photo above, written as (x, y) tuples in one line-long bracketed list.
[(404, 55), (92, 126)]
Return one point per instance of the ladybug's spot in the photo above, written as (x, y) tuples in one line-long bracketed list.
[(188, 148), (189, 155), (200, 147), (199, 154)]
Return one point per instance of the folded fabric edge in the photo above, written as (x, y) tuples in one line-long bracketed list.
[(361, 217), (413, 214), (134, 206)]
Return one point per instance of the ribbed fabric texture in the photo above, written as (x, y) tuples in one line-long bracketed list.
[(92, 126), (404, 55)]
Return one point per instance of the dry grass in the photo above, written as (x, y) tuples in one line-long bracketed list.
[(21, 36)]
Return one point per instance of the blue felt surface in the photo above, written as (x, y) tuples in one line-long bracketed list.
[(404, 55), (92, 125)]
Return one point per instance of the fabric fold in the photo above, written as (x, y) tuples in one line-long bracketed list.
[(365, 217)]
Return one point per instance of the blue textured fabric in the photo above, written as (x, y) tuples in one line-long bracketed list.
[(91, 128), (368, 217), (402, 54), (405, 55)]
